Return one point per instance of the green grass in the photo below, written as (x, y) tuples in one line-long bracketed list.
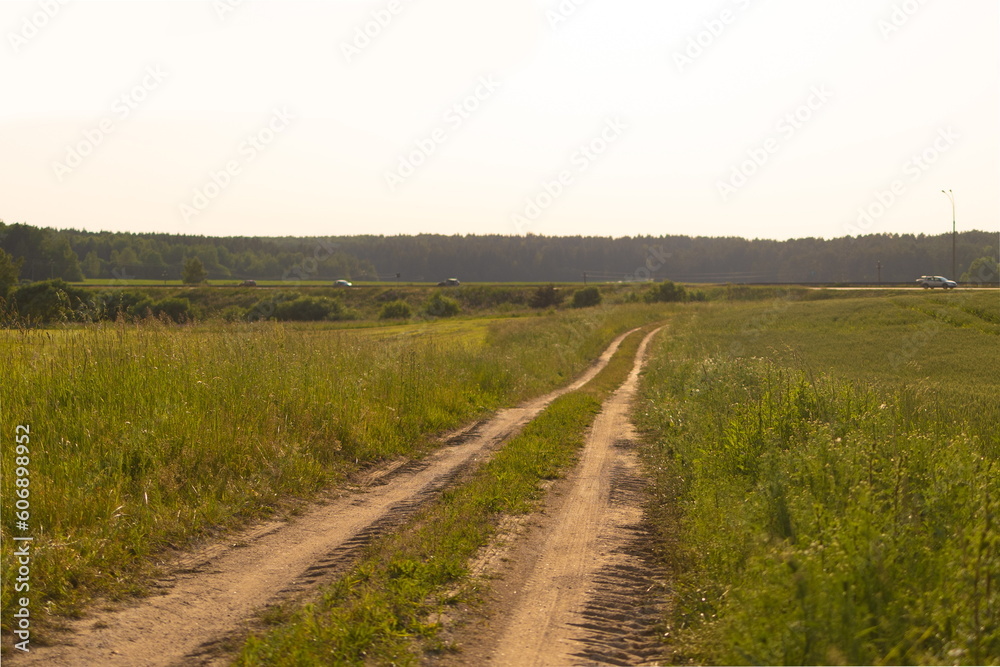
[(827, 480), (379, 612), (149, 435)]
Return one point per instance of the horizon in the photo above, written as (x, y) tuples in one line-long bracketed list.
[(525, 236), (759, 121)]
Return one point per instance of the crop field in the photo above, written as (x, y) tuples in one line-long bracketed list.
[(827, 482)]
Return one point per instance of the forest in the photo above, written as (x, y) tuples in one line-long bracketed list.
[(73, 255)]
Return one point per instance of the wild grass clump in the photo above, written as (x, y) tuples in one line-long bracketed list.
[(811, 519)]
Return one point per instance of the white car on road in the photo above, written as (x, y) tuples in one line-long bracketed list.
[(936, 281)]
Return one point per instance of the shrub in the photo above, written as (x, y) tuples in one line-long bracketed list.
[(396, 310), (588, 296), (112, 304), (439, 305), (308, 309), (546, 296), (49, 301), (667, 291), (176, 308), (137, 309)]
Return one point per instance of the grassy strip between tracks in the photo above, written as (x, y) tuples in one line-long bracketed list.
[(374, 613)]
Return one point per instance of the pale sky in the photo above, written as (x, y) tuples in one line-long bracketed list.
[(754, 118)]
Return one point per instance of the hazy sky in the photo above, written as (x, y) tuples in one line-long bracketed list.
[(754, 118)]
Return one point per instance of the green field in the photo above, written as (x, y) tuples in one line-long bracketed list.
[(150, 435), (824, 464), (827, 480)]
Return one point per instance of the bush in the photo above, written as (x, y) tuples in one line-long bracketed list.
[(588, 296), (667, 291), (308, 309), (176, 308), (396, 310), (137, 309), (49, 301), (112, 304), (546, 296), (439, 305)]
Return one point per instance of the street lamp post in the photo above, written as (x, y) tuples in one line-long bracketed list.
[(951, 196)]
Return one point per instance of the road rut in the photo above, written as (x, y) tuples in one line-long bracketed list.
[(585, 589)]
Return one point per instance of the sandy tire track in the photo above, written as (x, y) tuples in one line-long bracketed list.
[(582, 587), (210, 596)]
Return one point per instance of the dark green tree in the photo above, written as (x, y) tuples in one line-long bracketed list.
[(10, 269), (194, 272)]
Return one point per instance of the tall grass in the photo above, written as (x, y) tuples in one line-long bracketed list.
[(145, 436), (815, 518)]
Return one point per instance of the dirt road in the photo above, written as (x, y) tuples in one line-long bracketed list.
[(580, 587), (211, 595)]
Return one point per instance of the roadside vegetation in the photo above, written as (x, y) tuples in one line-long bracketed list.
[(383, 610), (827, 480), (57, 302), (147, 435)]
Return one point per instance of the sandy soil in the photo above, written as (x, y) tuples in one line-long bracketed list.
[(579, 585), (211, 596)]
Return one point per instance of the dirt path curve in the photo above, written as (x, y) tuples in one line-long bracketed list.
[(582, 592), (211, 594)]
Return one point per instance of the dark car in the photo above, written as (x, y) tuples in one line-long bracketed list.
[(451, 282), (248, 283)]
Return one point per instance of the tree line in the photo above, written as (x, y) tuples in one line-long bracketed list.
[(73, 255)]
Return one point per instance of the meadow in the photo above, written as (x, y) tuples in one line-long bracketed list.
[(149, 435), (827, 479)]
